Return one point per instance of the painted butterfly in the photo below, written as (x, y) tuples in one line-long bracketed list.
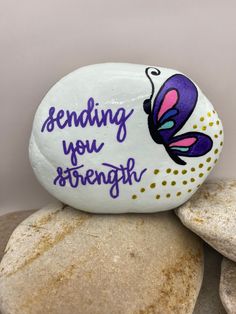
[(168, 110)]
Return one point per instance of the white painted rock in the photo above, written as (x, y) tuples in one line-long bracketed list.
[(211, 213), (228, 285), (61, 260), (119, 138)]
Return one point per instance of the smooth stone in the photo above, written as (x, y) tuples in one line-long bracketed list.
[(211, 213), (228, 285), (104, 139), (8, 223), (61, 260), (208, 301)]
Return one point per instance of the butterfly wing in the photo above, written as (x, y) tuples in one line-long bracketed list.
[(172, 107), (191, 144)]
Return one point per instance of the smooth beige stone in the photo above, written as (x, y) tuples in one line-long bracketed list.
[(228, 285), (208, 301), (61, 260), (8, 223), (211, 213)]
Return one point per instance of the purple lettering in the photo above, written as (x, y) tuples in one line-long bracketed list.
[(113, 177), (80, 148), (90, 116)]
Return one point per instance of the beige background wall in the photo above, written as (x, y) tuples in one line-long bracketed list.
[(43, 40)]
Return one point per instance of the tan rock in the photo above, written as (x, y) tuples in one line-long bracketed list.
[(211, 213), (228, 285), (61, 260), (208, 301), (8, 223)]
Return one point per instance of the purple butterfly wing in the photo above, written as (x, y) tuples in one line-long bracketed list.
[(200, 144), (172, 107), (185, 103)]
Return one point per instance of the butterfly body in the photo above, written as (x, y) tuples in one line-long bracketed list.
[(168, 110)]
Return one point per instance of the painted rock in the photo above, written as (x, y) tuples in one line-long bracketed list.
[(124, 138)]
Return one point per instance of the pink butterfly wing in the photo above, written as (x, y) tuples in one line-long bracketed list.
[(185, 142), (169, 101)]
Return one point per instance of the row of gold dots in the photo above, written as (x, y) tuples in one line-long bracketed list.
[(175, 172), (211, 123), (184, 171), (168, 195)]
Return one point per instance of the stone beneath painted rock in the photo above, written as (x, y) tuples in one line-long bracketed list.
[(61, 260), (228, 285), (115, 138), (8, 223), (211, 213), (208, 301)]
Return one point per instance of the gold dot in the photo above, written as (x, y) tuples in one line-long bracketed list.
[(215, 161), (208, 159), (201, 175), (209, 168), (200, 165), (221, 143), (211, 123), (142, 190), (134, 197), (198, 186), (164, 182), (158, 196), (178, 193), (202, 119), (156, 171), (152, 185), (168, 195), (204, 128), (216, 151), (214, 111), (215, 136), (192, 180), (185, 182), (192, 169), (221, 132), (189, 191), (217, 122), (184, 171), (209, 114), (194, 126), (173, 183), (175, 172), (168, 170)]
